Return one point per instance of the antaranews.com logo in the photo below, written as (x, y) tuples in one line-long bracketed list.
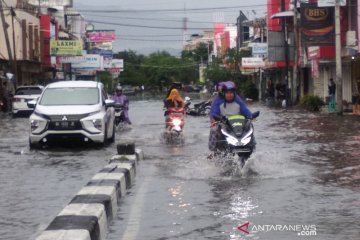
[(299, 229)]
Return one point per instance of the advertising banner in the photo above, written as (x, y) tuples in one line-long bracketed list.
[(92, 61), (101, 45), (117, 63), (72, 59), (66, 48), (100, 36), (317, 24), (50, 3), (107, 55), (330, 3)]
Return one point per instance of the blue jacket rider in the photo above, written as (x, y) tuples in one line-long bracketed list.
[(227, 103)]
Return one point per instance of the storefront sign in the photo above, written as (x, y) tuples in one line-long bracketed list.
[(259, 49), (66, 48), (117, 63), (252, 62)]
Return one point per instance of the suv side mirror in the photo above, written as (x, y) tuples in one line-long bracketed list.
[(109, 103)]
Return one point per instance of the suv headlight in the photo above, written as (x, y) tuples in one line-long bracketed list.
[(38, 124), (93, 125), (97, 124)]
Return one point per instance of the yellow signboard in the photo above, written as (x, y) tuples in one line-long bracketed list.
[(66, 48)]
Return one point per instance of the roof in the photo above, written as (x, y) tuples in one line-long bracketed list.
[(72, 84)]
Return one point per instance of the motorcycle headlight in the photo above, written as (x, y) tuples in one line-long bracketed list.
[(38, 125), (176, 122), (247, 138), (230, 139)]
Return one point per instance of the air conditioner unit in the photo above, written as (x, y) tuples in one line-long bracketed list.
[(351, 40)]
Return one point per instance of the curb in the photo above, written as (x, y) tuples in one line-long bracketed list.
[(90, 212)]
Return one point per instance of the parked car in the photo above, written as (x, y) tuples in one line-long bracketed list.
[(72, 110), (191, 88), (23, 94)]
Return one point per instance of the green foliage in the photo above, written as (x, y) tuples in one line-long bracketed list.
[(157, 70), (311, 102), (248, 89), (106, 79)]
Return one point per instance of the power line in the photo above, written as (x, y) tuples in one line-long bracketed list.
[(173, 10), (144, 26)]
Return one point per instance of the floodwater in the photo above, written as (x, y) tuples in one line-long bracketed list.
[(304, 178)]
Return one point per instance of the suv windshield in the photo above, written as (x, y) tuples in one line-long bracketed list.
[(28, 91), (70, 96)]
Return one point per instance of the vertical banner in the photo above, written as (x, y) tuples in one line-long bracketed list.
[(315, 68)]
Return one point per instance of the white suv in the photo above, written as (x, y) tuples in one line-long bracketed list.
[(72, 110)]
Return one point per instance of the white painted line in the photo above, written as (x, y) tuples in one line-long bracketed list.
[(133, 225)]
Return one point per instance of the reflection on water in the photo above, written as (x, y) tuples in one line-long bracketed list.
[(336, 150)]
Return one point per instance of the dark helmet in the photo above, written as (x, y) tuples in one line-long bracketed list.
[(228, 86)]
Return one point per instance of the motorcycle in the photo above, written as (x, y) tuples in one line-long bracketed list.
[(237, 136), (199, 109), (174, 124), (119, 115)]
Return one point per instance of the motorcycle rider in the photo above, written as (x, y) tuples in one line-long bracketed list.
[(226, 104), (174, 100), (123, 100)]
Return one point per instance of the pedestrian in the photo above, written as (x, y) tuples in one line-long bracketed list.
[(332, 90)]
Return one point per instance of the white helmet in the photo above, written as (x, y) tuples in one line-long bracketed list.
[(119, 88)]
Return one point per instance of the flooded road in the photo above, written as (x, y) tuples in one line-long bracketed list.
[(304, 175)]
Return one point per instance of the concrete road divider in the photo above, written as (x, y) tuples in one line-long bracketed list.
[(89, 213)]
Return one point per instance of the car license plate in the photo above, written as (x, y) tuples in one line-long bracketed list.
[(117, 114)]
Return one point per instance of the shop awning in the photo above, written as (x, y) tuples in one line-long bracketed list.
[(283, 14)]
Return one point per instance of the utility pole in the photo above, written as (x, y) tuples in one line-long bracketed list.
[(286, 54), (295, 68), (339, 105), (13, 14)]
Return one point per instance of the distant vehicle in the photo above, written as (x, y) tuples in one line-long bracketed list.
[(72, 110), (23, 94), (128, 90)]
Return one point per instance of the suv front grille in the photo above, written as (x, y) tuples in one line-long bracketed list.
[(66, 122), (65, 125)]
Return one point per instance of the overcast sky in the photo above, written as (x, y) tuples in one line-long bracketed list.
[(150, 25)]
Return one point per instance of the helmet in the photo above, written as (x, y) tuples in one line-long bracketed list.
[(228, 86), (119, 88)]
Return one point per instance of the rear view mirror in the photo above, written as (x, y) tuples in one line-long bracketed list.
[(109, 103), (255, 114)]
